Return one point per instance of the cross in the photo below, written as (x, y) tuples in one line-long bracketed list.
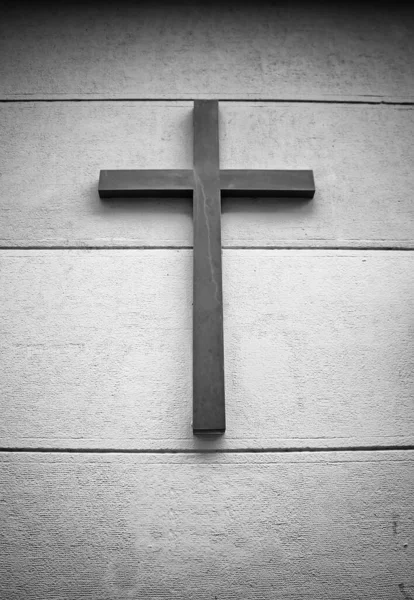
[(206, 184)]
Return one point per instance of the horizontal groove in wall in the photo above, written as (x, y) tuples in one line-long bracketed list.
[(210, 451), (87, 248), (239, 100)]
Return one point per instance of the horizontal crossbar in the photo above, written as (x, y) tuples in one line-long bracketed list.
[(169, 183)]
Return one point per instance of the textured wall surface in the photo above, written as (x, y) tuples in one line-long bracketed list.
[(289, 50), (362, 157), (104, 492), (97, 345), (332, 526)]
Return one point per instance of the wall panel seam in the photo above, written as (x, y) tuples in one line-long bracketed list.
[(373, 102), (320, 247), (393, 448), (224, 247)]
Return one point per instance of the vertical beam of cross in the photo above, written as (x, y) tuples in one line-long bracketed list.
[(208, 350)]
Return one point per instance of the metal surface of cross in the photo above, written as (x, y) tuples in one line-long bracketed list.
[(206, 184)]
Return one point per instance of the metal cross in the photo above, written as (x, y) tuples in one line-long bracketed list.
[(206, 183)]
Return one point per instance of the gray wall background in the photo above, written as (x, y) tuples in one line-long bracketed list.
[(104, 492)]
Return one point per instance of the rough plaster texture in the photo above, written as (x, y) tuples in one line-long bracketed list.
[(96, 348), (51, 155), (232, 49), (96, 344), (336, 526)]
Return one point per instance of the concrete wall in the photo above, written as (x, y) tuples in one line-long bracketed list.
[(104, 492)]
